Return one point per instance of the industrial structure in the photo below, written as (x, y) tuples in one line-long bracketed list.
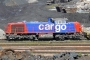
[(78, 6)]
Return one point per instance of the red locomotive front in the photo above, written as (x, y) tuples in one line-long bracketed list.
[(16, 28)]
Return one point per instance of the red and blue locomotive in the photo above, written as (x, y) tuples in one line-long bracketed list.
[(55, 28)]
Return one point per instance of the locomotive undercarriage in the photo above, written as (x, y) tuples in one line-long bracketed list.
[(62, 36), (21, 37), (69, 36)]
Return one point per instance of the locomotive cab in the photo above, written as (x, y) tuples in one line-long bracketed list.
[(59, 20)]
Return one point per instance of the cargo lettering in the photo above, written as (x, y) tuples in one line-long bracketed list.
[(58, 27), (46, 26)]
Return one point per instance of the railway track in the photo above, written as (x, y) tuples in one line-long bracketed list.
[(49, 50), (45, 43)]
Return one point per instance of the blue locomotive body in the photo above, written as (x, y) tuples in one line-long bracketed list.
[(39, 27), (50, 27)]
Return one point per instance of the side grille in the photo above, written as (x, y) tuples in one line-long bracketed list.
[(17, 28)]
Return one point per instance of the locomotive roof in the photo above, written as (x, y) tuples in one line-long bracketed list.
[(59, 19), (36, 22)]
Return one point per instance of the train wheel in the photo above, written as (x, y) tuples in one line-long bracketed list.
[(33, 37), (8, 38), (60, 38), (30, 37)]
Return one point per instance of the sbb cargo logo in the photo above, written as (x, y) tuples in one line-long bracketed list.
[(58, 27)]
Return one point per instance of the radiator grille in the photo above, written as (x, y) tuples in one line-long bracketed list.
[(17, 28)]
